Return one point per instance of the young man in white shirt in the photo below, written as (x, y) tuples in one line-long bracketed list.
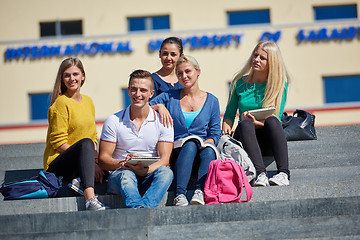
[(137, 131)]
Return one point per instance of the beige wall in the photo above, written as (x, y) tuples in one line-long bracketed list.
[(108, 73)]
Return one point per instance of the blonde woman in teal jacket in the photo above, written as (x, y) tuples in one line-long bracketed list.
[(261, 83)]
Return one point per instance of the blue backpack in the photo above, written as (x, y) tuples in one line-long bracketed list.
[(44, 185)]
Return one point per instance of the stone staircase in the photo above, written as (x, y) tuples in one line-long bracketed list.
[(322, 201)]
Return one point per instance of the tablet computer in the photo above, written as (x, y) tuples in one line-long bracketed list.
[(146, 161), (262, 113)]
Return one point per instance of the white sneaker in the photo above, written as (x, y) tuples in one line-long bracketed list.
[(181, 200), (76, 186), (280, 179), (262, 180), (95, 205), (198, 198)]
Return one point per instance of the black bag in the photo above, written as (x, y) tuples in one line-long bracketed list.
[(44, 185), (299, 126)]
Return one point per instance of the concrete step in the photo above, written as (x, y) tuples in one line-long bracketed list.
[(296, 218), (291, 228), (305, 184), (322, 201), (310, 228), (336, 146)]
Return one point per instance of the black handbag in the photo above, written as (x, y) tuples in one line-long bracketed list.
[(299, 126)]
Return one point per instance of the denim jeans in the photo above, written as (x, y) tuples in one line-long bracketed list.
[(184, 164), (130, 186)]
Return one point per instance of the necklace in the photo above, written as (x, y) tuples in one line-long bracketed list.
[(192, 108)]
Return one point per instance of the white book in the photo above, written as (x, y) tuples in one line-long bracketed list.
[(262, 113), (146, 161), (180, 142)]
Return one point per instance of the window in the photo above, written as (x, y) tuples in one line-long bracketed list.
[(335, 12), (249, 17), (60, 28), (126, 98), (39, 105), (148, 23), (342, 88)]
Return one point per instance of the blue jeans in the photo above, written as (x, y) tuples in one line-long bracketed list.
[(184, 164), (126, 183)]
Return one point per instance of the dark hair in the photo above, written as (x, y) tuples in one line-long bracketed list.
[(173, 40), (142, 74)]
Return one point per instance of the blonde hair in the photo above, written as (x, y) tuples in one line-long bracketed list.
[(59, 86), (277, 76), (187, 59)]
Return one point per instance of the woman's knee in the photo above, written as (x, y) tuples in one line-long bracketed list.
[(244, 128), (207, 153), (190, 145), (87, 143), (272, 122)]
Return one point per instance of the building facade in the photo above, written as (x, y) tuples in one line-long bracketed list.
[(319, 41)]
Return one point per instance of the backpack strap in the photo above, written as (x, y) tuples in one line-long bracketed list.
[(248, 189), (243, 180)]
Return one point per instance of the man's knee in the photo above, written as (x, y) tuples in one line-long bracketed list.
[(120, 178), (164, 173)]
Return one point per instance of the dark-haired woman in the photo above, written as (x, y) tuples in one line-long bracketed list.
[(165, 78)]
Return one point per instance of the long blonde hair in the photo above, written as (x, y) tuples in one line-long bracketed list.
[(59, 86), (277, 76)]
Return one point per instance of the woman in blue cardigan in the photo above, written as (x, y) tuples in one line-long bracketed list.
[(194, 112)]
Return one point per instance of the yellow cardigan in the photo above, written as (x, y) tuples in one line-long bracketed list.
[(69, 122)]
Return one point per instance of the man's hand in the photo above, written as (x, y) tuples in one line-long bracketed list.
[(139, 169)]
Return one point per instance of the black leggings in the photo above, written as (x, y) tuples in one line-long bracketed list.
[(264, 141), (76, 161)]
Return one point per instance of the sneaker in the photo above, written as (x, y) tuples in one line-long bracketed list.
[(95, 205), (198, 198), (181, 200), (262, 180), (76, 186), (280, 179)]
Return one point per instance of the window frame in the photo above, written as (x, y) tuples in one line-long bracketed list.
[(149, 23), (345, 92), (125, 97), (253, 13), (38, 109), (321, 9), (59, 28)]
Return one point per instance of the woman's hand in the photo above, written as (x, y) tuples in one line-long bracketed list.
[(99, 173), (227, 127), (250, 117), (165, 116)]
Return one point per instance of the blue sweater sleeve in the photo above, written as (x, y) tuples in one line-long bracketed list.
[(214, 128), (163, 98)]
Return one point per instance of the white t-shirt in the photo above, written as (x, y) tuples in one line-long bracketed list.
[(119, 129)]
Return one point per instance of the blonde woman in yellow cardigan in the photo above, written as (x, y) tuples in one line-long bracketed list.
[(71, 143)]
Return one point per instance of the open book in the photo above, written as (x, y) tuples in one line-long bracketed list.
[(262, 113), (178, 143)]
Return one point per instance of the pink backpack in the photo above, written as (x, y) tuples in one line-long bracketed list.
[(224, 182)]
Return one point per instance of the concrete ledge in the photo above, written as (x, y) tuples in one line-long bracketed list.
[(181, 217)]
